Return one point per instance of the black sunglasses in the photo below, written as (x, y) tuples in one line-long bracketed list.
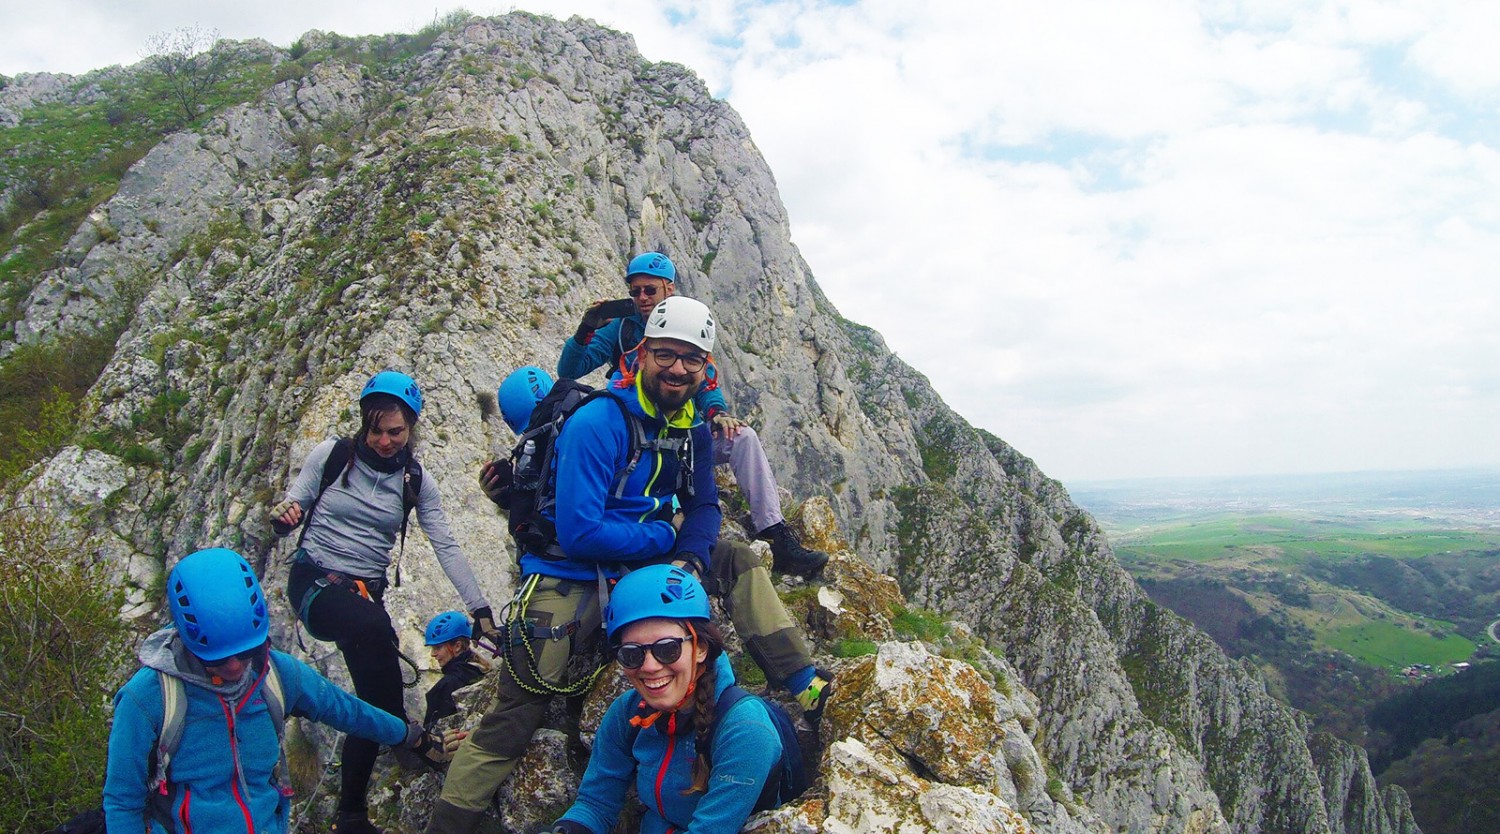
[(666, 651), (648, 290), (243, 657)]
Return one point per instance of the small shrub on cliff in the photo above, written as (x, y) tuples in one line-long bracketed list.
[(63, 652), (43, 385)]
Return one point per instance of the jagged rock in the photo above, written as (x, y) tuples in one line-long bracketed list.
[(873, 794), (465, 207), (85, 486)]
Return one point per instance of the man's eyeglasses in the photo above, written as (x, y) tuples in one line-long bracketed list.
[(647, 290), (666, 651), (691, 362)]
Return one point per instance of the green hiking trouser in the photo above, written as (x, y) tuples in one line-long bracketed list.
[(759, 618), (486, 758), (490, 753)]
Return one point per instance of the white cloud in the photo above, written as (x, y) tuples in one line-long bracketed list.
[(1152, 238)]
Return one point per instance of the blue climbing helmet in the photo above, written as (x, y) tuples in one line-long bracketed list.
[(654, 264), (217, 604), (398, 385), (655, 591), (449, 625), (519, 393)]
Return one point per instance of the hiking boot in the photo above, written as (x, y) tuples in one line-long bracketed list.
[(354, 822), (788, 555), (815, 696)]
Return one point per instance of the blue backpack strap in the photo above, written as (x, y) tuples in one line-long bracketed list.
[(788, 777)]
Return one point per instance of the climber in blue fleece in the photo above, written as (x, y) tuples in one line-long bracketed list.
[(599, 522), (651, 278), (227, 774), (656, 735)]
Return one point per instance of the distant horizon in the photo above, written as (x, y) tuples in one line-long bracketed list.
[(1493, 469)]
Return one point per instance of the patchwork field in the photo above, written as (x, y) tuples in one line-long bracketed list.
[(1392, 569)]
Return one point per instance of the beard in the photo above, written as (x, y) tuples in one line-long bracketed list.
[(670, 399)]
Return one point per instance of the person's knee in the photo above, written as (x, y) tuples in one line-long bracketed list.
[(734, 559)]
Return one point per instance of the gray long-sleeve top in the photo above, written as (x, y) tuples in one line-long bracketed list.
[(354, 527)]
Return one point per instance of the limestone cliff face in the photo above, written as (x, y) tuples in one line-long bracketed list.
[(452, 214)]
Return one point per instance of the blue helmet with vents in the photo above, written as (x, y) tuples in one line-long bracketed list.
[(217, 604), (519, 393), (655, 591), (654, 264), (398, 385), (449, 625)]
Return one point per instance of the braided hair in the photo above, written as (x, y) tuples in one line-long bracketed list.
[(704, 697)]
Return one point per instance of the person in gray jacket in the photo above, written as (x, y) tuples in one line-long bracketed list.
[(352, 498)]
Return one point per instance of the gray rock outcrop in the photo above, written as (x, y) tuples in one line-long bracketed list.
[(452, 214)]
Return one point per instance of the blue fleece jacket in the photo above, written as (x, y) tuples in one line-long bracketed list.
[(222, 773), (608, 345), (660, 761), (594, 525)]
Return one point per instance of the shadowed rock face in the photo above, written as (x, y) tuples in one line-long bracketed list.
[(452, 214)]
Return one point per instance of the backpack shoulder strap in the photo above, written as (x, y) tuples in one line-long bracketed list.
[(787, 778), (274, 694), (275, 698), (636, 433), (173, 716), (627, 337), (338, 459)]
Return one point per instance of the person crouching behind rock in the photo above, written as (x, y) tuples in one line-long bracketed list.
[(448, 637)]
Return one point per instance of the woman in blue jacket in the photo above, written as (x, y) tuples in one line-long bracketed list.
[(225, 773), (672, 653)]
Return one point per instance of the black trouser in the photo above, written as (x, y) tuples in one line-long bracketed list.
[(362, 630)]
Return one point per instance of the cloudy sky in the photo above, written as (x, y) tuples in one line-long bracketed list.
[(1133, 239)]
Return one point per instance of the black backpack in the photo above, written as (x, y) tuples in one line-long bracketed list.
[(532, 489), (789, 776)]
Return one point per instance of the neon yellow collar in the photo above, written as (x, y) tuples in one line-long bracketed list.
[(683, 418)]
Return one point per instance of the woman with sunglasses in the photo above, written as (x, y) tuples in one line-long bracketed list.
[(657, 735), (227, 772), (352, 509)]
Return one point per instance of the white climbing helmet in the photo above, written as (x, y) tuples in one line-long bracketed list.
[(684, 319)]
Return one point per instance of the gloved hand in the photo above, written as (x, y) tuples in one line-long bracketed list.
[(484, 625), (596, 316), (692, 563), (727, 425), (494, 479), (451, 740), (285, 517), (429, 748)]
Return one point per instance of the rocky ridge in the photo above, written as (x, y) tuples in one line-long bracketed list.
[(452, 214)]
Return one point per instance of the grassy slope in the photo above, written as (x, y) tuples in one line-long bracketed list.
[(1329, 608), (1280, 563)]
